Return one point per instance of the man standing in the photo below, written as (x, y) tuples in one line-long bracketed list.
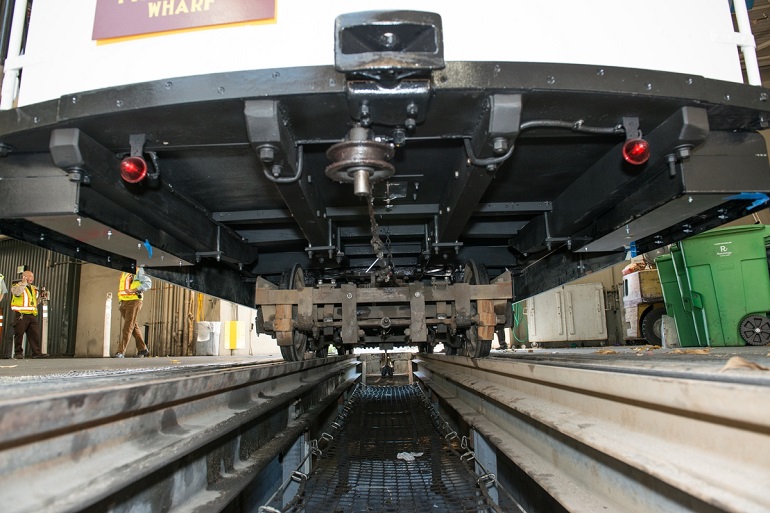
[(24, 306), (130, 297)]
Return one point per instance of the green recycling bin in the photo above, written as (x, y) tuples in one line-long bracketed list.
[(672, 297), (698, 324), (729, 285)]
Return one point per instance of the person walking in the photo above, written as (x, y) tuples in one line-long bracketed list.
[(130, 291), (24, 306)]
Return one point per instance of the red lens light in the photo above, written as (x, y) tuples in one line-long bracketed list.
[(636, 151), (133, 169)]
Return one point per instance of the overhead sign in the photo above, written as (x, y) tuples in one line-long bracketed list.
[(121, 18)]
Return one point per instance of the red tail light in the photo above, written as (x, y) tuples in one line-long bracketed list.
[(133, 169), (636, 151)]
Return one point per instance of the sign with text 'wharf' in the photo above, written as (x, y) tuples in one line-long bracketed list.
[(122, 18)]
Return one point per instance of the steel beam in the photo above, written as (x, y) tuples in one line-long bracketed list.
[(463, 193), (267, 127), (610, 180), (78, 154)]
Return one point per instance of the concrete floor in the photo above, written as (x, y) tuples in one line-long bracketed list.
[(688, 360), (12, 370), (748, 362)]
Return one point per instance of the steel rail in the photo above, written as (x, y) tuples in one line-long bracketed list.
[(181, 440), (601, 440)]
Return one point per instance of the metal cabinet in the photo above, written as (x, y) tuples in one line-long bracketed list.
[(568, 313)]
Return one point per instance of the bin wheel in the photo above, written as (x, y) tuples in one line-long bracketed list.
[(294, 278), (755, 330), (652, 326)]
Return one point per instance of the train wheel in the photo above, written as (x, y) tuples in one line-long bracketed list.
[(475, 347), (294, 278)]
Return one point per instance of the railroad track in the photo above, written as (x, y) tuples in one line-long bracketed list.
[(557, 435), (585, 438), (180, 439)]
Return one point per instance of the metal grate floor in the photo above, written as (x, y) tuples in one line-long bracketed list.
[(364, 470)]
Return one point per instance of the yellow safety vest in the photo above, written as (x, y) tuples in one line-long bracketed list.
[(128, 288), (27, 302)]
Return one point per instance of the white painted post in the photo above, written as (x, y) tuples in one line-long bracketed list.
[(10, 87), (44, 329), (107, 325)]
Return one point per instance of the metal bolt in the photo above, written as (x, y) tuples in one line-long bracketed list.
[(499, 145), (267, 154), (349, 295), (399, 137), (388, 40)]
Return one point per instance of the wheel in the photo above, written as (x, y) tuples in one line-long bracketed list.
[(475, 347), (294, 278), (652, 326), (755, 330)]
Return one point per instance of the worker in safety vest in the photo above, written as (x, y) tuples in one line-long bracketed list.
[(130, 291), (24, 306)]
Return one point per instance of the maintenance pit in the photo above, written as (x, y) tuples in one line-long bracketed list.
[(592, 429)]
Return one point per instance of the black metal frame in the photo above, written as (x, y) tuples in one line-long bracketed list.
[(547, 203)]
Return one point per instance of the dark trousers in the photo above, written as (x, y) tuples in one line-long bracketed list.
[(129, 310), (26, 323)]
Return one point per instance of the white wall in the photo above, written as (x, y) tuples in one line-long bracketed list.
[(254, 345), (685, 36)]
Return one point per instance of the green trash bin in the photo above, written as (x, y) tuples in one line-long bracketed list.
[(683, 283), (729, 285), (672, 297)]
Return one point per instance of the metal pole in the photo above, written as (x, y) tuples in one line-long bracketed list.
[(44, 329), (747, 43), (10, 89), (107, 325)]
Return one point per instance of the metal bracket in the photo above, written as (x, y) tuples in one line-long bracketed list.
[(403, 105)]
